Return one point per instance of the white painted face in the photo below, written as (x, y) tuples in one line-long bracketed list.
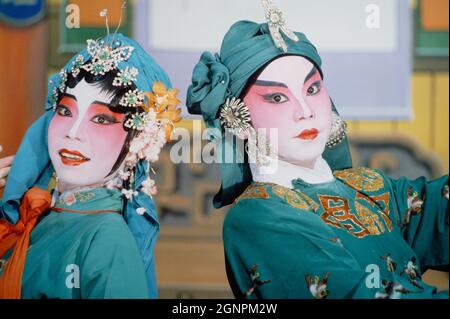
[(85, 137), (289, 96)]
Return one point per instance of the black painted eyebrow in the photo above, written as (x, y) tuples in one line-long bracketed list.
[(71, 96), (311, 74), (270, 83), (103, 103)]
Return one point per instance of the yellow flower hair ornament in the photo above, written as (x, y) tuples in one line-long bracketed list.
[(156, 124)]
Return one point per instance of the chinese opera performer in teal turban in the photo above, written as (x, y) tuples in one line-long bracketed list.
[(304, 223), (108, 114)]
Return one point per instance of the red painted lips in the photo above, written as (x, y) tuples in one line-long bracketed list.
[(72, 158), (308, 134)]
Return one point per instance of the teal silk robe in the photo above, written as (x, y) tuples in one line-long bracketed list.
[(362, 235), (83, 249)]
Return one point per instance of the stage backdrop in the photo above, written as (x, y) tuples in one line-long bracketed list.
[(366, 50)]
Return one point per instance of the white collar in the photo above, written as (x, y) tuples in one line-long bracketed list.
[(285, 172)]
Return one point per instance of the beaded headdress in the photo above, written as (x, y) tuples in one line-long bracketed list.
[(152, 114)]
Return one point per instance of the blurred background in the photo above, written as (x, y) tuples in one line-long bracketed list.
[(385, 65)]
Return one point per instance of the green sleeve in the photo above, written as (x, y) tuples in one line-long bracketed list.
[(273, 251), (112, 267), (423, 218)]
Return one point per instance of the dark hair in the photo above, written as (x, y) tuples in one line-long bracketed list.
[(105, 83)]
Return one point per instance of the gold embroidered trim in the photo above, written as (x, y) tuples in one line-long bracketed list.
[(362, 179), (364, 221), (255, 190), (293, 198)]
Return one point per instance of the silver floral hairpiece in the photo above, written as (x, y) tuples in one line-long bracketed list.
[(76, 65), (63, 80), (137, 121), (133, 98), (54, 97), (235, 117), (277, 24), (126, 77), (104, 57), (59, 88)]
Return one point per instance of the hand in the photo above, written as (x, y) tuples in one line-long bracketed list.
[(5, 166)]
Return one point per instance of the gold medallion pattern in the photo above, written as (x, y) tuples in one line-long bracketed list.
[(361, 179), (367, 217)]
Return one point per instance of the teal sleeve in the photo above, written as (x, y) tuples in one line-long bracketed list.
[(274, 251), (424, 218), (112, 267)]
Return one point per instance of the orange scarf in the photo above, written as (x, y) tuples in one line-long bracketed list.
[(35, 202)]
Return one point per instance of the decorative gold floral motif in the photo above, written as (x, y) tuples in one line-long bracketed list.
[(375, 202), (337, 213), (293, 198), (312, 204), (364, 221), (369, 219), (361, 179), (255, 190)]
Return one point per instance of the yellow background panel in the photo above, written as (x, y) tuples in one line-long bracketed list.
[(375, 127), (441, 113), (420, 125)]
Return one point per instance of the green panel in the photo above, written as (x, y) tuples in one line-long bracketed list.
[(64, 42), (430, 43), (74, 40)]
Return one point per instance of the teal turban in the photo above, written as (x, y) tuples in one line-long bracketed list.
[(246, 48)]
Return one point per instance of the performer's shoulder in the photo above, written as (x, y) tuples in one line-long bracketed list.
[(362, 178)]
